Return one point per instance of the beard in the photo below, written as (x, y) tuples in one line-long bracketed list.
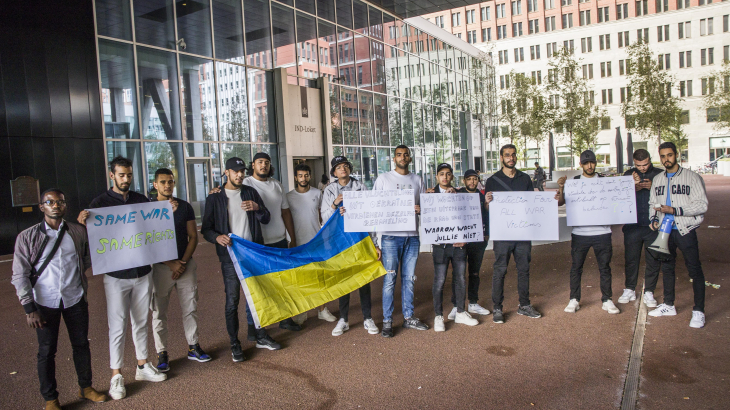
[(303, 184), (402, 165), (506, 165), (234, 183), (262, 175), (123, 187), (590, 171), (669, 164)]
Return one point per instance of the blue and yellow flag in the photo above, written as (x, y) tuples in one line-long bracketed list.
[(281, 283)]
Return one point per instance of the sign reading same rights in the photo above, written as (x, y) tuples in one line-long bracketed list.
[(523, 216), (450, 218), (379, 211), (600, 201), (127, 236)]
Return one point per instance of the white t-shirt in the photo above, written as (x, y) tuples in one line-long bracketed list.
[(305, 212), (394, 180), (591, 230), (272, 193), (237, 218)]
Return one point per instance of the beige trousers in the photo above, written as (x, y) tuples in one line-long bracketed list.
[(187, 294)]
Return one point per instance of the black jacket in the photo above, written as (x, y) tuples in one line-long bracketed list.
[(215, 219), (111, 198), (642, 196)]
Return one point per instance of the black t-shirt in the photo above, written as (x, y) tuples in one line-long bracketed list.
[(520, 182), (181, 216)]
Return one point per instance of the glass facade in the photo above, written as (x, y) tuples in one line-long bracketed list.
[(186, 85)]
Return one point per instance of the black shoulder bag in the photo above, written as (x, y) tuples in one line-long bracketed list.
[(35, 274)]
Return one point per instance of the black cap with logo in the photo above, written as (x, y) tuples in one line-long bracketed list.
[(470, 173), (587, 156), (337, 161), (442, 166), (235, 164)]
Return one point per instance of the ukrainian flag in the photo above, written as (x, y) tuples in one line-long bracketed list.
[(281, 283)]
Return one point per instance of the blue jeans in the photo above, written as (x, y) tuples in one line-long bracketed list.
[(233, 296), (399, 251)]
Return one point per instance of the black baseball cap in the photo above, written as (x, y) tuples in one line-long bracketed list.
[(470, 173), (337, 161), (587, 156), (444, 165), (260, 155), (235, 164)]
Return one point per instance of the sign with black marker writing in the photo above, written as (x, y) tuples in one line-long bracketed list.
[(600, 201), (523, 216), (379, 211), (128, 236), (450, 218)]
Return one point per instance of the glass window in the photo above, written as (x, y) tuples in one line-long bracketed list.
[(360, 15), (193, 26), (392, 74), (335, 114), (307, 44), (407, 118), (381, 120), (377, 51), (417, 124), (350, 114), (353, 154), (384, 160), (228, 28), (168, 155), (199, 112), (154, 23), (376, 23), (369, 167), (233, 102), (306, 5), (263, 122), (113, 19), (344, 13), (131, 151), (116, 66), (326, 9), (394, 121), (364, 72), (198, 150), (282, 19), (242, 151), (159, 97), (258, 33), (346, 57), (327, 50), (428, 133), (366, 117)]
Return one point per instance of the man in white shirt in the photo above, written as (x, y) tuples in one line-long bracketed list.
[(584, 238), (52, 285), (304, 206), (281, 224)]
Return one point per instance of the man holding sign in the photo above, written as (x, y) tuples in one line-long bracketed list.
[(584, 238), (127, 291)]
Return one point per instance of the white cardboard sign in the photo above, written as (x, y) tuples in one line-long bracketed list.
[(378, 211), (450, 218), (600, 201), (128, 236), (523, 216)]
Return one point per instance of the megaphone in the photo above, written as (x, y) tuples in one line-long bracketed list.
[(660, 249)]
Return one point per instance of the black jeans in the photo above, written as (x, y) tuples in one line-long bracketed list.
[(365, 303), (602, 248), (474, 257), (690, 250), (442, 255), (76, 318), (636, 239), (538, 184), (233, 297), (522, 251)]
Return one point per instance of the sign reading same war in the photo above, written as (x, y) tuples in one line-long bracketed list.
[(523, 216), (451, 218), (600, 201), (128, 236), (379, 211)]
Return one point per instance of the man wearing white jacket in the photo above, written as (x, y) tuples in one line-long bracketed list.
[(680, 195)]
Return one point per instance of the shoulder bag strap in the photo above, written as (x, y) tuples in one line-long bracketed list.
[(37, 273), (500, 182)]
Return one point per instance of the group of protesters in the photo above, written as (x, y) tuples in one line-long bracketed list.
[(52, 258)]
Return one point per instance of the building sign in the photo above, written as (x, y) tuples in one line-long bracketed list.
[(25, 191), (303, 128)]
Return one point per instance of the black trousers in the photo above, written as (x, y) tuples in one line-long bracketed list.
[(474, 257), (602, 248), (636, 240), (522, 251), (365, 304), (539, 186), (690, 250), (442, 256), (76, 319)]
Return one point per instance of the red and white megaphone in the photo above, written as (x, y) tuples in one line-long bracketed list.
[(660, 248)]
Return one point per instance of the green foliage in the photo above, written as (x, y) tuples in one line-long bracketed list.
[(718, 96)]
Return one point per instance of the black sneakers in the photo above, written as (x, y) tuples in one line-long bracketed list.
[(528, 311), (163, 363), (387, 329), (289, 324), (264, 341), (497, 316), (251, 333), (414, 323), (237, 352)]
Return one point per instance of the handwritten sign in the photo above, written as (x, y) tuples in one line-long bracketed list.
[(450, 218), (128, 236), (523, 216), (600, 201), (378, 211)]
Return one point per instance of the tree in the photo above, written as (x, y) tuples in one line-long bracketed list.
[(481, 98), (571, 102), (650, 108), (717, 100)]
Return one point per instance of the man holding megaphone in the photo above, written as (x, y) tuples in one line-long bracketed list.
[(679, 203)]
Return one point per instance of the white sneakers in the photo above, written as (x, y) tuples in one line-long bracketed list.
[(649, 300), (325, 314), (438, 324), (370, 326), (465, 319), (452, 314), (698, 320), (341, 328), (477, 310), (663, 310), (149, 373), (609, 307), (573, 306), (117, 391), (628, 296)]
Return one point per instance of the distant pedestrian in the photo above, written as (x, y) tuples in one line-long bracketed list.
[(540, 177), (323, 182)]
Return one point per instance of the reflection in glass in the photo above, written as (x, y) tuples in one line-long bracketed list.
[(335, 114), (159, 97), (282, 19), (198, 99), (382, 136), (392, 74), (326, 9), (261, 91), (228, 28), (428, 133), (369, 167), (308, 46), (407, 114), (337, 150), (233, 102), (273, 153), (377, 51), (242, 151), (197, 150), (360, 15), (116, 65), (384, 161), (346, 57), (348, 100), (417, 125), (154, 23), (394, 121), (113, 19), (199, 179), (353, 154), (193, 26), (166, 155), (258, 33), (376, 23), (364, 75), (344, 13), (415, 69), (131, 151), (327, 50), (306, 5), (367, 125)]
